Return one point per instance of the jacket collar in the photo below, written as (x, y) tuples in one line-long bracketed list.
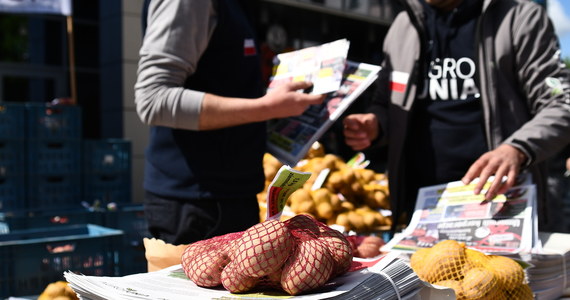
[(415, 7)]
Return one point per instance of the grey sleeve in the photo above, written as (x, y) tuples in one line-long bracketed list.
[(177, 34), (546, 84)]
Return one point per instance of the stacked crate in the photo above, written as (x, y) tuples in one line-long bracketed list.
[(131, 220), (46, 165), (106, 171), (31, 259), (12, 156), (106, 181), (54, 156)]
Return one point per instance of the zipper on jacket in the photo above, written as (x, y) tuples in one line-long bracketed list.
[(482, 79), (420, 29)]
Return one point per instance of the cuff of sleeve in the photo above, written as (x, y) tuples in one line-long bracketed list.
[(191, 106), (526, 151)]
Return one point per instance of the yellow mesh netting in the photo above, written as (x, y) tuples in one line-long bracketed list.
[(470, 273)]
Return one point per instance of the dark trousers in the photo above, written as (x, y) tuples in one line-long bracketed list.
[(178, 221)]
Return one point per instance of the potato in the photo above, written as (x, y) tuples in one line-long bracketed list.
[(325, 210), (235, 282), (300, 195), (336, 203), (507, 271), (304, 225), (342, 220), (304, 207), (263, 248), (356, 221), (420, 263), (334, 181), (339, 247), (367, 250), (347, 205), (205, 268), (369, 219), (321, 195), (480, 283), (309, 267), (370, 246), (271, 281)]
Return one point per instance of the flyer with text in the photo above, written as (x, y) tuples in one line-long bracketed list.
[(289, 139), (453, 212)]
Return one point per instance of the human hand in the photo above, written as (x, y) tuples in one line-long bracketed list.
[(506, 160), (360, 130), (567, 173), (285, 100)]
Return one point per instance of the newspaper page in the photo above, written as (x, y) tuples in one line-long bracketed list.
[(289, 139), (172, 284), (323, 65), (452, 211)]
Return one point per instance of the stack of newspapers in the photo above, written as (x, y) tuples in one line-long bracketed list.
[(549, 270), (386, 277)]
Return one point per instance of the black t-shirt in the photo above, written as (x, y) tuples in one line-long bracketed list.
[(447, 133)]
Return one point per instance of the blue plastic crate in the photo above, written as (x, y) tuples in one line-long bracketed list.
[(131, 220), (107, 188), (30, 219), (51, 192), (54, 156), (12, 120), (107, 156), (53, 121), (31, 259), (12, 193), (12, 157)]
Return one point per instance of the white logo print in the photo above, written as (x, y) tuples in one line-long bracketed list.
[(451, 79)]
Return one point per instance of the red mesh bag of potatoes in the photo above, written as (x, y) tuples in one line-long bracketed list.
[(470, 273), (294, 256), (203, 261), (305, 227)]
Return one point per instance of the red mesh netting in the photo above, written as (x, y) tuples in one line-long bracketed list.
[(295, 256), (204, 261)]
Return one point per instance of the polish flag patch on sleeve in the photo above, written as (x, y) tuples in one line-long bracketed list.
[(249, 47), (399, 81)]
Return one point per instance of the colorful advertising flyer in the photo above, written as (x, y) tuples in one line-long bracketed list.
[(453, 212), (289, 139)]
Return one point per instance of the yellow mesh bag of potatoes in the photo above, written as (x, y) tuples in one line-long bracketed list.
[(471, 273), (294, 256)]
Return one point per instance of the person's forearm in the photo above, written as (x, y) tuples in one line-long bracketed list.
[(281, 102), (220, 112)]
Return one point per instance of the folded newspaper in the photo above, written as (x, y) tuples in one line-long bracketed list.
[(452, 211), (385, 277), (289, 139)]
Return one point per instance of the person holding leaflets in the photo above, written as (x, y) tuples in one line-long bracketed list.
[(469, 89), (200, 89)]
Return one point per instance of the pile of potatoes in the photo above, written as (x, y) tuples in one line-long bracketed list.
[(59, 290), (473, 275), (350, 197), (295, 256)]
